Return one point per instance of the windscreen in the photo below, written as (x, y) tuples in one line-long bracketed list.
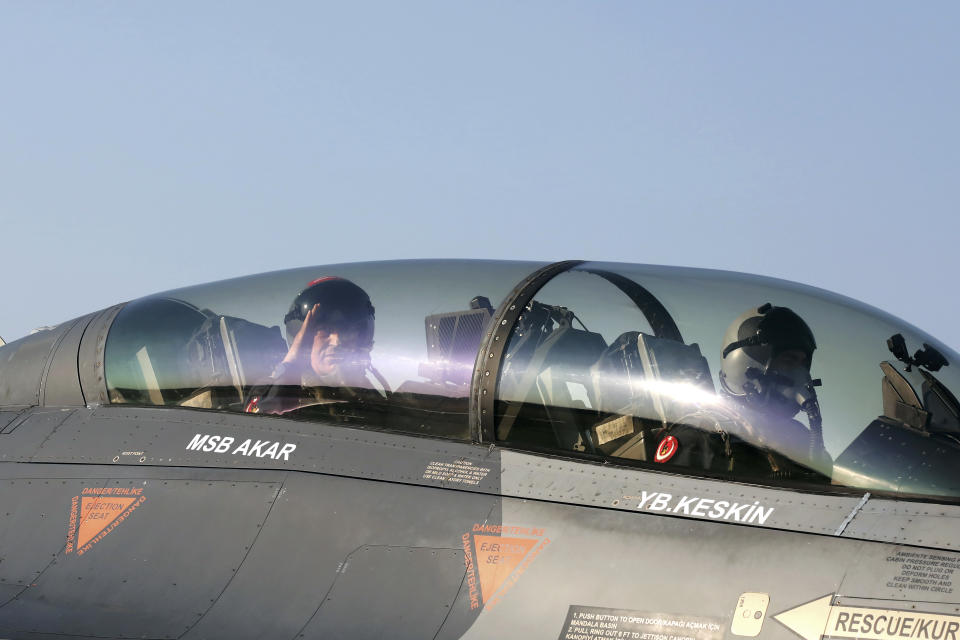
[(387, 345), (726, 374)]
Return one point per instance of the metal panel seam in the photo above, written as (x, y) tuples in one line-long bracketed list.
[(853, 514), (42, 391), (244, 559)]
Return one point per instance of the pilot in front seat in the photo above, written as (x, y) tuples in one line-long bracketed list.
[(329, 331), (765, 381)]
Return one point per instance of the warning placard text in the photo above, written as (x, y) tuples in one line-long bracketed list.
[(591, 623)]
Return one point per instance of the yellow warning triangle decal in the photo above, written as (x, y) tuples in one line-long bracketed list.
[(497, 558), (96, 514)]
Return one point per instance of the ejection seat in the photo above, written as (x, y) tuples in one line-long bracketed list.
[(549, 390), (230, 356), (643, 384)]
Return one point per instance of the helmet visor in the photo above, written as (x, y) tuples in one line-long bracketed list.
[(784, 330)]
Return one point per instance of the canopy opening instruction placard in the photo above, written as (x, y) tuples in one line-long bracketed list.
[(590, 623)]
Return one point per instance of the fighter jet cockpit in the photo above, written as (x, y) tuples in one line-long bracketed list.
[(380, 345), (729, 375), (677, 370)]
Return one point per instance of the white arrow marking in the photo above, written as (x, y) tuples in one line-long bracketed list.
[(808, 620)]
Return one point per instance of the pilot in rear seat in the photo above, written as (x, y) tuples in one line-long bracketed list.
[(765, 382), (329, 329)]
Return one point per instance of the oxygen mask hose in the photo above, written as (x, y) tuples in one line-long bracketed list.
[(807, 399)]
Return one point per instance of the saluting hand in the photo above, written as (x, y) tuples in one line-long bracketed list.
[(299, 352)]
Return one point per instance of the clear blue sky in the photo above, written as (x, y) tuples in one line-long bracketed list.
[(145, 146)]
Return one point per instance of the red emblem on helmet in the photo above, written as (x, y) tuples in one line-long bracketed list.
[(668, 447)]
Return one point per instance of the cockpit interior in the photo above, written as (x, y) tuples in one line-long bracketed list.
[(678, 370)]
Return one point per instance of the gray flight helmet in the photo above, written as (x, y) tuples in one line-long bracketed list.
[(752, 342)]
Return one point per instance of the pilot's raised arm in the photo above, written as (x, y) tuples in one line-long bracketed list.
[(329, 330)]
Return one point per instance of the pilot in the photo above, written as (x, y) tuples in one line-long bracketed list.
[(765, 382), (329, 331)]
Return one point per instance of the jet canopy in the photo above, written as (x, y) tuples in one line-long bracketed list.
[(680, 370)]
